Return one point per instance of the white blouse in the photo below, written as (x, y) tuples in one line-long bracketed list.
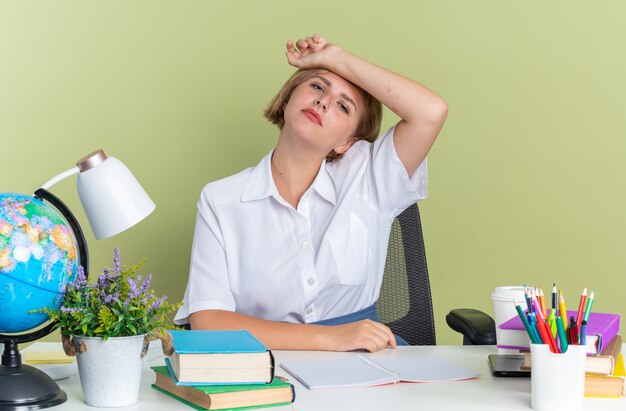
[(255, 254)]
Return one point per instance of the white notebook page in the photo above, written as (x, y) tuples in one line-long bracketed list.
[(343, 372), (361, 371), (425, 369)]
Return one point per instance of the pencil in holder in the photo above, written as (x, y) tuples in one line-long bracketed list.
[(557, 380)]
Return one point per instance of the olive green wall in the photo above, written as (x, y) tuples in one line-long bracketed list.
[(526, 180)]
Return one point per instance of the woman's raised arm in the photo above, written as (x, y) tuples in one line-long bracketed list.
[(422, 112)]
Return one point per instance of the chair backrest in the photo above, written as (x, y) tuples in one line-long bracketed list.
[(405, 303)]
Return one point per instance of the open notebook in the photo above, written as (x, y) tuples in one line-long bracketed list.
[(360, 371)]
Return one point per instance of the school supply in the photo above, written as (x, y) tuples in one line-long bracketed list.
[(217, 397), (603, 364), (50, 358), (607, 386), (219, 357), (46, 357), (557, 381), (362, 371), (601, 330)]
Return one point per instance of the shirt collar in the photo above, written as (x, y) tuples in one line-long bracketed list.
[(261, 185), (324, 185)]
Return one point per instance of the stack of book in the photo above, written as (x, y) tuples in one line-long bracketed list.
[(601, 330), (216, 370)]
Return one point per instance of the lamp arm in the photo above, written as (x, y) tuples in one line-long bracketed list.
[(60, 177)]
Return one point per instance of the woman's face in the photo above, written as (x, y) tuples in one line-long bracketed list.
[(325, 110)]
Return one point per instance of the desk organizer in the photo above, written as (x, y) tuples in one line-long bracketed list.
[(557, 380)]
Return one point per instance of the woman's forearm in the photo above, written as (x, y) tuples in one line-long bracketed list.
[(366, 334), (275, 335), (422, 111), (411, 101)]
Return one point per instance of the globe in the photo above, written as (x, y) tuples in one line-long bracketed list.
[(38, 256), (41, 245)]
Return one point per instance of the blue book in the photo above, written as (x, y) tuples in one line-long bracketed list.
[(215, 341), (207, 357)]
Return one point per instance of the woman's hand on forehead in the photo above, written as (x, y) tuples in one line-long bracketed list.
[(311, 52)]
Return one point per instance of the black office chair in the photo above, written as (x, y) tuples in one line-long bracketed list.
[(405, 303)]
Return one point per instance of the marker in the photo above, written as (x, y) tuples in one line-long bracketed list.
[(552, 339), (581, 307), (552, 323), (583, 333), (561, 333), (573, 331)]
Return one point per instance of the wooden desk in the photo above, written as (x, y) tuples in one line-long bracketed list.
[(482, 394)]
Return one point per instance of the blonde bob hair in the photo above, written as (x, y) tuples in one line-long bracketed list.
[(367, 129)]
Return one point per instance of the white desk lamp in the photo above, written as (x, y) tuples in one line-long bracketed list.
[(111, 196)]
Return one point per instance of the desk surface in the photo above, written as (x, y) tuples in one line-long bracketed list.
[(484, 393)]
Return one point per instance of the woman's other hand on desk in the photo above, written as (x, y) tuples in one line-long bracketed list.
[(365, 334)]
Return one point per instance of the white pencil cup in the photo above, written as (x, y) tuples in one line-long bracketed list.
[(557, 380)]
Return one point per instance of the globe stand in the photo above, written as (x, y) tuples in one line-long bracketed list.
[(23, 387)]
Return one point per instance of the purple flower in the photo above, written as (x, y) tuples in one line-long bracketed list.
[(69, 310), (80, 277), (112, 298), (134, 290), (116, 262), (146, 284), (157, 303)]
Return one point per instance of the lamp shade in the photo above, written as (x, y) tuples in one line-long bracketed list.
[(111, 196)]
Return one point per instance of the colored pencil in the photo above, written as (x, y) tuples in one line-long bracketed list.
[(581, 307)]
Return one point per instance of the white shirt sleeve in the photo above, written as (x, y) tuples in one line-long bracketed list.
[(390, 186), (208, 286)]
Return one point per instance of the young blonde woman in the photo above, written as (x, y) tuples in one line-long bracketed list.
[(294, 249)]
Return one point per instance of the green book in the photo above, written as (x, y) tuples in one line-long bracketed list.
[(225, 397)]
